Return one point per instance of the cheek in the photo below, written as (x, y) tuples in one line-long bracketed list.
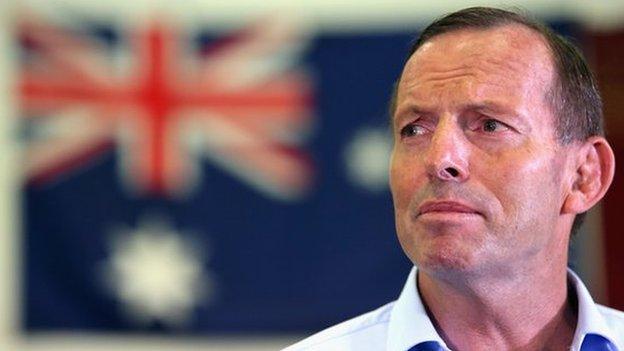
[(525, 183), (404, 180)]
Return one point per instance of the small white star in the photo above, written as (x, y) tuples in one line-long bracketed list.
[(157, 275), (367, 156)]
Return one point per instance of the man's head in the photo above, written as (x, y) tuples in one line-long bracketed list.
[(573, 94), (497, 125)]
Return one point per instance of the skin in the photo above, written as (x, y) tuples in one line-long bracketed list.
[(473, 126)]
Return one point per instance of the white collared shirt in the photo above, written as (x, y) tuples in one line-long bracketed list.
[(404, 323)]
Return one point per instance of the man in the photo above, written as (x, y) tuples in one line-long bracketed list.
[(498, 153)]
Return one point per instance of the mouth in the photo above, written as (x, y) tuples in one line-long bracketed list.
[(446, 208)]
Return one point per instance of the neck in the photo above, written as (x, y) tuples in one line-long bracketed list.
[(526, 310)]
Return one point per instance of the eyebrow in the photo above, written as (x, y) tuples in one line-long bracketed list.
[(486, 106), (404, 113)]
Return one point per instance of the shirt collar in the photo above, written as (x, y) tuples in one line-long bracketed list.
[(589, 320), (410, 324)]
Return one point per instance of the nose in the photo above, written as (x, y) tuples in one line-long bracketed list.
[(447, 155)]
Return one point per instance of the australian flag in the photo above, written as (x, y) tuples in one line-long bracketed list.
[(201, 181), (183, 179)]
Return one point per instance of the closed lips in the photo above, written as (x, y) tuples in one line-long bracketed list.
[(445, 206)]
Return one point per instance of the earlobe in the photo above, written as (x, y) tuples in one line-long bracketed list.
[(594, 173)]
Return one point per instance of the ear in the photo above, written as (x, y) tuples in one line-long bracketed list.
[(595, 165)]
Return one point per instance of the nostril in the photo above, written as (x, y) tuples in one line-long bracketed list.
[(452, 171)]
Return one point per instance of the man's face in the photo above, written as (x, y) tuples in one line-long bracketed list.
[(477, 175)]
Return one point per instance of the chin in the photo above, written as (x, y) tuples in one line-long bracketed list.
[(442, 246), (445, 261), (444, 254)]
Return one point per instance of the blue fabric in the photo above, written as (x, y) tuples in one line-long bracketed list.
[(595, 342), (427, 346)]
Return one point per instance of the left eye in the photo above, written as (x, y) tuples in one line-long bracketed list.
[(492, 125)]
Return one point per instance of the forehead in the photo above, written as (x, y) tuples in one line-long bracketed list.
[(509, 60)]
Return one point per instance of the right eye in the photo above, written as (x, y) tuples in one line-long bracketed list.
[(412, 130)]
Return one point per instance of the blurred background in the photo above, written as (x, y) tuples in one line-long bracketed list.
[(208, 175)]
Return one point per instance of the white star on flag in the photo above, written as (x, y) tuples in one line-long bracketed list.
[(157, 274)]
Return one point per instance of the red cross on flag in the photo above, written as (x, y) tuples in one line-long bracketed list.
[(240, 102)]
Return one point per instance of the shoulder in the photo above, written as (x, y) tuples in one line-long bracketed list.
[(367, 331), (614, 319)]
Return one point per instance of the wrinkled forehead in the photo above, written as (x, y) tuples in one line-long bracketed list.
[(507, 51)]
